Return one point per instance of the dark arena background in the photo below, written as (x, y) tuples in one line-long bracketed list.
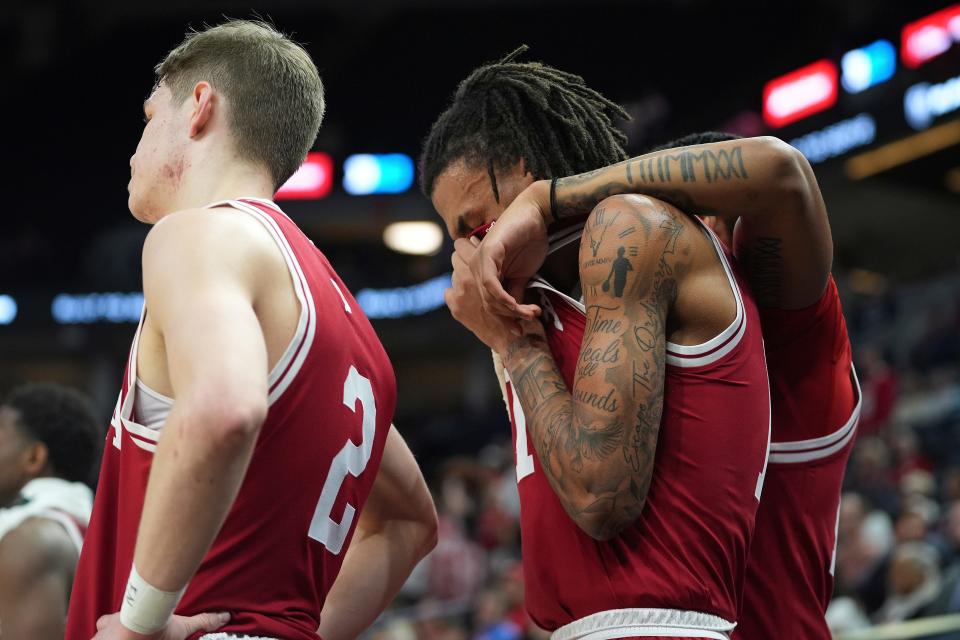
[(867, 90)]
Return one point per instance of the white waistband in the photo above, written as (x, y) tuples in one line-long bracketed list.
[(627, 623), (231, 636)]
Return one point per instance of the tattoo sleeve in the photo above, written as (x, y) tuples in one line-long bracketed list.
[(785, 239), (687, 178), (763, 259), (597, 444)]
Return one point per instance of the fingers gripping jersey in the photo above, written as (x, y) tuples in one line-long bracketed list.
[(331, 402), (816, 406), (687, 550)]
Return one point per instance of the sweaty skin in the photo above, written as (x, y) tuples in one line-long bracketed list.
[(783, 238), (648, 273)]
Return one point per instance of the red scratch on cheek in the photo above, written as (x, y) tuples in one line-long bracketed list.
[(174, 171)]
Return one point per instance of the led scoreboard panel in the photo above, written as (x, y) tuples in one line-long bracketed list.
[(880, 92), (881, 103)]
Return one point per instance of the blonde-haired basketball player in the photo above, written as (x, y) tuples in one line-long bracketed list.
[(253, 425)]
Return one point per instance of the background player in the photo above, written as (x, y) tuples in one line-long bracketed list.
[(783, 238), (257, 399), (49, 440), (661, 327)]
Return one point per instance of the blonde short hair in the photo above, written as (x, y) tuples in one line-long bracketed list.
[(272, 88)]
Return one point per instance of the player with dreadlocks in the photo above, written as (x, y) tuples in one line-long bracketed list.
[(783, 236), (638, 397)]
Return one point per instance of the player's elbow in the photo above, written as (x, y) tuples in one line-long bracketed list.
[(421, 513), (229, 418), (605, 516), (605, 526), (791, 170), (243, 420), (430, 530)]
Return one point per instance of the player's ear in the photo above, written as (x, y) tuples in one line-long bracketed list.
[(204, 100), (36, 457)]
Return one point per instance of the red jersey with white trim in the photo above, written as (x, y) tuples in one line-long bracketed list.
[(688, 549), (331, 402), (816, 405)]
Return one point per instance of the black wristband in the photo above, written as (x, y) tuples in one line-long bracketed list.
[(553, 199)]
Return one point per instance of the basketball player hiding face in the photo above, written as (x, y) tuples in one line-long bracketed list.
[(765, 192), (636, 381)]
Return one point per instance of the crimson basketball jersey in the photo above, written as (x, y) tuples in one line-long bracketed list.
[(331, 402), (687, 551), (816, 405)]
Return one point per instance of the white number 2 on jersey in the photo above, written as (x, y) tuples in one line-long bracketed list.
[(351, 459)]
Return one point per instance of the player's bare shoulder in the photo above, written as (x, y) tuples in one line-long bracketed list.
[(630, 237), (220, 234), (37, 546)]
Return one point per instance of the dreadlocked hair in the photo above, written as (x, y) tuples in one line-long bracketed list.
[(511, 111)]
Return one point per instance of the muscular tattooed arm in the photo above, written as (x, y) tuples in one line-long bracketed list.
[(783, 237), (597, 445)]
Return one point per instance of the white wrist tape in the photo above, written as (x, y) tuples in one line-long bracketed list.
[(145, 608)]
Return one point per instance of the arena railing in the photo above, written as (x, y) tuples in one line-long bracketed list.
[(939, 627)]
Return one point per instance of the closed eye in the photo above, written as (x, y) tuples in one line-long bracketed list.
[(463, 229)]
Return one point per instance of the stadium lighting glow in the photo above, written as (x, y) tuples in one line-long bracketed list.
[(404, 301), (88, 308), (312, 181), (868, 283), (837, 139), (868, 66), (91, 308), (930, 36), (421, 238), (368, 173), (8, 309), (902, 151), (800, 93), (924, 102)]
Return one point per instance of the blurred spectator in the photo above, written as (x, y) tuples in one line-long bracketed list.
[(952, 533), (49, 438), (918, 485), (864, 538), (869, 473), (457, 566), (940, 344), (906, 449), (911, 526), (490, 618), (949, 600), (398, 630), (914, 583), (845, 614), (511, 586), (950, 486), (440, 628), (879, 387)]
